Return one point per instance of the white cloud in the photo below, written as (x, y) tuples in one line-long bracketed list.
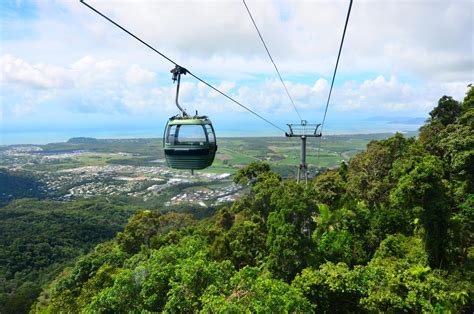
[(382, 95), (90, 64), (109, 87), (137, 102), (429, 40), (17, 71), (377, 94), (320, 85), (138, 75), (87, 85), (299, 91), (226, 86)]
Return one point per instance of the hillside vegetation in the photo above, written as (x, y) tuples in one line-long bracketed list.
[(39, 238), (391, 231)]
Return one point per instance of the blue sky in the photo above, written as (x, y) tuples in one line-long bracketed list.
[(64, 71)]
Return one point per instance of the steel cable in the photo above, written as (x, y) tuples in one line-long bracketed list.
[(271, 59), (334, 76), (193, 75)]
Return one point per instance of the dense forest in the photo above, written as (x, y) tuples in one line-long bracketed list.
[(39, 238), (17, 185), (391, 231)]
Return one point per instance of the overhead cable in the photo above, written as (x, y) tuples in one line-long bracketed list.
[(235, 101), (190, 73), (337, 63), (271, 59), (334, 76)]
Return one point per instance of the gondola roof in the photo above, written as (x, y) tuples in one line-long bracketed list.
[(202, 120)]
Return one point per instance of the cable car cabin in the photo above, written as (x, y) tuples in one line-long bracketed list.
[(189, 143)]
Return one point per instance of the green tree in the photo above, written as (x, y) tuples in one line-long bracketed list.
[(333, 288), (143, 226), (161, 266), (336, 236), (461, 248), (330, 187), (251, 291), (225, 218), (457, 147), (368, 173), (122, 297), (423, 191), (467, 116), (262, 192), (400, 280), (21, 300), (290, 226), (192, 278), (247, 243), (446, 111), (250, 173)]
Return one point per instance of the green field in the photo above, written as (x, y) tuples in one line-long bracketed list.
[(233, 153), (283, 153)]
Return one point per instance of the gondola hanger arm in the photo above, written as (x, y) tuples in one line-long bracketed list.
[(177, 71)]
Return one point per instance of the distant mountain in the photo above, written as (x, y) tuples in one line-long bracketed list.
[(82, 140)]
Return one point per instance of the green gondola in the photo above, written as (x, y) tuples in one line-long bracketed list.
[(188, 142)]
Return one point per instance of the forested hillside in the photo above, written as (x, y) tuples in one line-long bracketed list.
[(39, 238), (391, 231)]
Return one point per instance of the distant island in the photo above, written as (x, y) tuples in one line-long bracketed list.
[(82, 140)]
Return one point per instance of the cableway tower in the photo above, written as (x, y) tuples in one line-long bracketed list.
[(303, 131)]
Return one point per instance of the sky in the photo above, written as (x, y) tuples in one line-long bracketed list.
[(65, 71)]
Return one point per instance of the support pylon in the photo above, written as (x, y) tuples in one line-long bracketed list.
[(303, 131)]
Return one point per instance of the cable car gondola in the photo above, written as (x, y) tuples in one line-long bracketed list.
[(188, 142)]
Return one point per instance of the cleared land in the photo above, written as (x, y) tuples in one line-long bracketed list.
[(282, 153)]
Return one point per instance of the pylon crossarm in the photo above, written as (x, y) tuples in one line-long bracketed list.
[(303, 129)]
